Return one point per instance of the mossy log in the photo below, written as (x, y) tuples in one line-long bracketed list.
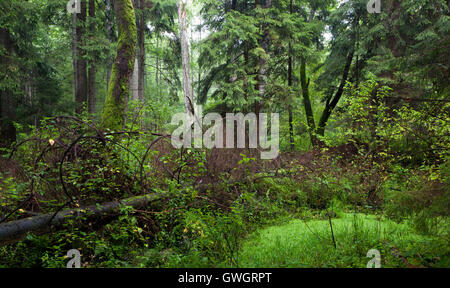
[(16, 230)]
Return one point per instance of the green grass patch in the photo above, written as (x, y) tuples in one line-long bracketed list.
[(309, 244)]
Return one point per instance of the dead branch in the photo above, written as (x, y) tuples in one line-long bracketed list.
[(14, 231)]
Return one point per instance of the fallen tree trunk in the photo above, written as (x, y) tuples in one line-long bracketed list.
[(15, 231)]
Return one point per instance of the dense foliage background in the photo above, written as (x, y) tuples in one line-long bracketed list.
[(364, 132)]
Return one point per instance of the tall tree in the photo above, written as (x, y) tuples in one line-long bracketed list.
[(142, 26), (81, 88), (232, 57), (290, 83), (110, 36), (92, 68), (332, 102), (114, 112), (74, 54), (138, 76), (186, 64), (262, 68), (346, 20)]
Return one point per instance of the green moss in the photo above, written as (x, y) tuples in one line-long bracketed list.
[(113, 116), (296, 245), (113, 110)]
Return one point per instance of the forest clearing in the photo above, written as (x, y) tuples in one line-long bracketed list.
[(224, 134)]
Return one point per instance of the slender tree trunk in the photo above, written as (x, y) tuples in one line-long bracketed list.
[(330, 105), (262, 77), (157, 61), (92, 68), (187, 87), (304, 82), (81, 96), (246, 66), (291, 116), (291, 127), (134, 81), (109, 34), (245, 82), (141, 55), (114, 113), (199, 74), (138, 77), (74, 54), (157, 80)]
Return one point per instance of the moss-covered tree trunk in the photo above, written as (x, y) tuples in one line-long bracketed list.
[(331, 103), (304, 82), (119, 85)]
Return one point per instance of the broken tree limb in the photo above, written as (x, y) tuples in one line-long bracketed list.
[(16, 230)]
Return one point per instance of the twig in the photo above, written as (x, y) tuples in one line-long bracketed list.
[(332, 233)]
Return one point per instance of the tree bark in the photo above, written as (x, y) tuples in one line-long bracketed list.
[(304, 82), (134, 81), (187, 86), (92, 68), (262, 77), (138, 78), (330, 105), (74, 54), (291, 116), (141, 55), (109, 35), (157, 77), (81, 70), (114, 113)]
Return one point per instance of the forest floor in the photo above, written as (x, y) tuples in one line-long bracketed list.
[(300, 243), (227, 208)]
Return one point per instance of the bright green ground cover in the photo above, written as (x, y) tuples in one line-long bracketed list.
[(295, 245)]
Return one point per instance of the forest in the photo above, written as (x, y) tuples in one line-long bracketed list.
[(224, 133)]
